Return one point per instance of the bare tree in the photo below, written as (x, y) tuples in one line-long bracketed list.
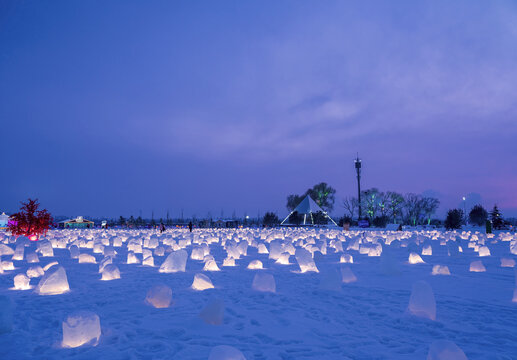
[(395, 205), (351, 204), (429, 207)]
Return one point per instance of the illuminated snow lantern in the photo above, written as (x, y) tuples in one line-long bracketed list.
[(54, 282), (262, 249), (110, 272), (484, 251), (32, 258), (81, 328), (49, 265), (427, 250), (477, 266), (263, 282), (213, 312), (305, 261), (414, 258), (87, 259), (35, 271), (7, 265), (45, 248), (159, 296), (347, 276), (375, 250), (229, 261), (175, 262), (445, 350), (283, 259), (107, 260), (225, 352), (198, 253), (21, 282), (255, 265), (148, 261), (18, 252), (159, 251), (422, 302), (132, 258), (202, 282), (6, 314), (514, 299), (6, 250), (347, 259), (211, 265), (506, 262), (440, 270)]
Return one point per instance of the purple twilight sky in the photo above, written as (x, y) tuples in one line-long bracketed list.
[(110, 108)]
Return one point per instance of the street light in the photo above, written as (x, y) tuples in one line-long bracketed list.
[(465, 209)]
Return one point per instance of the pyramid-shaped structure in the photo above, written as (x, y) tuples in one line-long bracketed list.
[(307, 207)]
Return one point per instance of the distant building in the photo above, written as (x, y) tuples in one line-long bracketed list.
[(226, 223), (4, 219), (77, 223)]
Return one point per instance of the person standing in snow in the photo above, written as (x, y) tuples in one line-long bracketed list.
[(190, 226), (162, 228)]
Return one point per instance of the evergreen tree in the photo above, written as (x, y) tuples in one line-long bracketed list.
[(497, 218), (478, 215), (122, 221), (270, 219), (454, 219)]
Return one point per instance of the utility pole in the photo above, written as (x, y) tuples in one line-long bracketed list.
[(357, 162)]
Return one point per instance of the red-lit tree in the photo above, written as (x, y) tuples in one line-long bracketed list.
[(30, 221)]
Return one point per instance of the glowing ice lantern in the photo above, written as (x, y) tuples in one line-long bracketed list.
[(49, 265), (445, 350), (110, 272), (346, 258), (505, 262), (477, 266), (81, 328), (211, 265), (414, 258), (229, 261), (347, 276), (6, 314), (427, 250), (35, 271), (422, 302), (32, 258), (375, 250), (225, 352), (148, 261), (283, 259), (305, 260), (74, 252), (514, 299), (87, 259), (264, 282), (21, 282), (198, 253), (159, 251), (5, 250), (255, 265), (132, 258), (7, 265), (107, 260), (262, 249), (202, 282), (213, 313), (440, 270), (175, 262), (159, 296), (18, 252), (484, 251), (54, 282)]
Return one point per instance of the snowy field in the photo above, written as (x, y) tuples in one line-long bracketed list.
[(322, 294)]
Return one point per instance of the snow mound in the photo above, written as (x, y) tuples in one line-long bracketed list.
[(422, 302), (21, 282), (477, 266), (264, 282), (202, 282), (175, 262), (87, 259), (110, 272), (225, 352), (35, 271), (81, 328), (159, 296), (305, 261), (445, 350), (414, 258), (347, 276), (54, 282), (440, 270), (213, 313), (255, 265)]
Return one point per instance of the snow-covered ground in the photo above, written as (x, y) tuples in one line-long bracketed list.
[(311, 315)]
